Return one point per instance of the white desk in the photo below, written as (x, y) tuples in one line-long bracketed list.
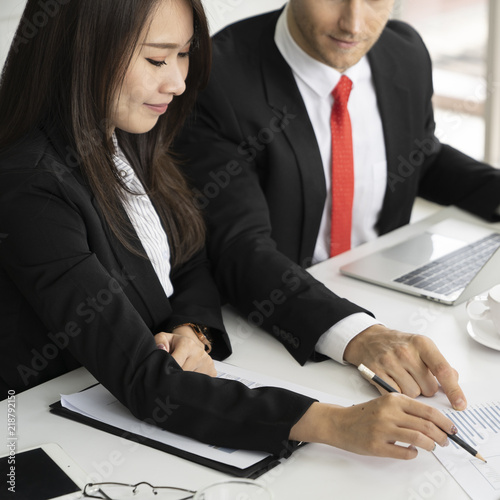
[(315, 471)]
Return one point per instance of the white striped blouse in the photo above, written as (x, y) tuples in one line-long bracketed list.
[(145, 220)]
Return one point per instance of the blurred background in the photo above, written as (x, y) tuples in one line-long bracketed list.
[(463, 37)]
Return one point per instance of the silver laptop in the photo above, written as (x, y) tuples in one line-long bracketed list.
[(448, 262)]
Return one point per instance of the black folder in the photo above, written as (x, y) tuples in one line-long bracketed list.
[(251, 472)]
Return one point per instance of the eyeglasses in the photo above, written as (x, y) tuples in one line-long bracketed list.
[(243, 489), (139, 491)]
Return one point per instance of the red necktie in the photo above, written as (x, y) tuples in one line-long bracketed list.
[(342, 169)]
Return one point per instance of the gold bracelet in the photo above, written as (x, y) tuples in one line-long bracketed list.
[(201, 332)]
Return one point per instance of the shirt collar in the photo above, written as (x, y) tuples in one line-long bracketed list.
[(120, 159), (125, 171), (318, 76)]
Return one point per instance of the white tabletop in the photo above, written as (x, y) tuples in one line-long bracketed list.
[(314, 471)]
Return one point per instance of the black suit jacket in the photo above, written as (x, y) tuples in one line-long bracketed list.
[(71, 294), (252, 154)]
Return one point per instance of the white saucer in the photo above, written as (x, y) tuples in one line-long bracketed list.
[(484, 332)]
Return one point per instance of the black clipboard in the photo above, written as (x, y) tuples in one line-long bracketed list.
[(254, 471)]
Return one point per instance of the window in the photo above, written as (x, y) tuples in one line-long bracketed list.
[(456, 34)]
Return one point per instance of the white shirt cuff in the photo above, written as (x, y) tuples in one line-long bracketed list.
[(334, 341)]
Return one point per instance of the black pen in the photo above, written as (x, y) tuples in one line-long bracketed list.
[(368, 374)]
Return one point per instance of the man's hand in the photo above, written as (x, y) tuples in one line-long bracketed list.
[(189, 353), (410, 363)]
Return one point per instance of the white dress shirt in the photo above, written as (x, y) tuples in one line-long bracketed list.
[(145, 220), (316, 82)]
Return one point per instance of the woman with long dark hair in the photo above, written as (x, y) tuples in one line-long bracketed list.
[(101, 250)]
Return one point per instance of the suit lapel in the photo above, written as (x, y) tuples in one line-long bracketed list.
[(284, 98), (136, 274), (149, 297), (393, 98)]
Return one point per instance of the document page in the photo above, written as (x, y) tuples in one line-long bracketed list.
[(98, 403), (479, 426)]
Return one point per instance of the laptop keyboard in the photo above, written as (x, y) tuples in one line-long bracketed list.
[(455, 270)]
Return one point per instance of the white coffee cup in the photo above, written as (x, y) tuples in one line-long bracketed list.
[(486, 307)]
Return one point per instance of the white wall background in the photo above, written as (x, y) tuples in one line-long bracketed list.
[(220, 13), (10, 13)]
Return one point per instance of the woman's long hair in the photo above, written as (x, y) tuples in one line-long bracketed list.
[(65, 66)]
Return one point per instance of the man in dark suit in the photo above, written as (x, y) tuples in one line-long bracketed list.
[(259, 149)]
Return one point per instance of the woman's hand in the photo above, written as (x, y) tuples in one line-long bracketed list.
[(189, 352), (373, 428)]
